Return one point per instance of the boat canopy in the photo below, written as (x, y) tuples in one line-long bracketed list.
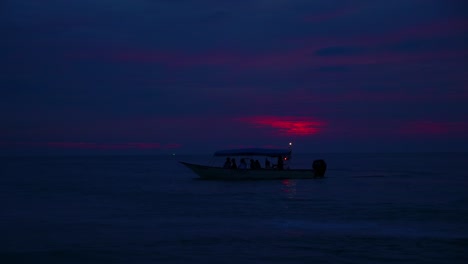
[(254, 152)]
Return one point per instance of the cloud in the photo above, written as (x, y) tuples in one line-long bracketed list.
[(435, 128), (92, 145), (333, 14), (309, 52), (286, 125), (339, 51), (279, 61), (360, 95)]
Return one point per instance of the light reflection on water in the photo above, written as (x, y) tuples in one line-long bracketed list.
[(289, 188)]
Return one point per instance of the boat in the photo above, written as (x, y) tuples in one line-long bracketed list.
[(276, 172)]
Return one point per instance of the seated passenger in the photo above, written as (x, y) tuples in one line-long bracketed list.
[(227, 163), (243, 164), (233, 164), (252, 164), (257, 164)]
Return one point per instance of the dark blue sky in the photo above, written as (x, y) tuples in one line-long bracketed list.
[(150, 76)]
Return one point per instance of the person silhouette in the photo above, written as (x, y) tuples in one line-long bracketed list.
[(252, 164), (280, 163), (242, 164), (227, 163), (233, 163), (257, 164)]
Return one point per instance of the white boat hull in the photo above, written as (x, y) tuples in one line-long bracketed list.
[(217, 173)]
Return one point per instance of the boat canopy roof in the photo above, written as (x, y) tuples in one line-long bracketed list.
[(253, 152)]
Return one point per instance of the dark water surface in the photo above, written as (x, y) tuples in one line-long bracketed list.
[(371, 208)]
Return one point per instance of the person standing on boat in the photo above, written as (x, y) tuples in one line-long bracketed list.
[(280, 163), (252, 164), (233, 164), (227, 163)]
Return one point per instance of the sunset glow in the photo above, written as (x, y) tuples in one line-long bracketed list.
[(92, 146), (202, 75), (433, 128), (287, 125)]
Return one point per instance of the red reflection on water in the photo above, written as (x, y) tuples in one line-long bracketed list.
[(286, 182), (289, 188), (287, 125)]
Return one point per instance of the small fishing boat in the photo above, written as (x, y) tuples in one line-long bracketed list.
[(277, 171)]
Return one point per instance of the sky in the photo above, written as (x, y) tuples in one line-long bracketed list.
[(186, 76)]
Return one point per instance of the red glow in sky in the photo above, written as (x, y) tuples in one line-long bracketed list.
[(287, 125), (436, 128), (95, 146), (373, 82)]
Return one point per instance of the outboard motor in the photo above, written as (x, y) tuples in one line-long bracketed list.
[(319, 166)]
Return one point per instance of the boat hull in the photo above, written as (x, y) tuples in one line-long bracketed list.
[(217, 173)]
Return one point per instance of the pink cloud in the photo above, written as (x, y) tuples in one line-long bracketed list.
[(435, 128), (432, 29), (394, 129), (301, 56), (92, 145), (292, 59), (286, 125), (445, 27), (305, 96)]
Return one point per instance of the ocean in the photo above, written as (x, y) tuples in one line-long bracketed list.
[(370, 208)]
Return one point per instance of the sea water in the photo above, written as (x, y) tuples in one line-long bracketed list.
[(370, 208)]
